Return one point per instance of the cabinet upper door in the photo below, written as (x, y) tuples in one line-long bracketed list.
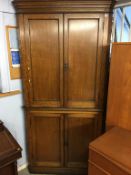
[(44, 58), (83, 35)]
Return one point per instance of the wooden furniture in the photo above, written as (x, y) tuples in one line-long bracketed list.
[(119, 95), (10, 151), (64, 49), (110, 154)]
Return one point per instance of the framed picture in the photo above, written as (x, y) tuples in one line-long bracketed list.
[(13, 51)]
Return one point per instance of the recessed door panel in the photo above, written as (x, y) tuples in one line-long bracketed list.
[(80, 131), (44, 43), (46, 140), (82, 59)]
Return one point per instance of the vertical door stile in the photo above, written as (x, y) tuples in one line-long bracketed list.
[(99, 81), (66, 140), (61, 38), (62, 140), (65, 58), (27, 60)]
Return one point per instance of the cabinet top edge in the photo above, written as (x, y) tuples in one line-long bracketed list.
[(88, 1), (27, 6)]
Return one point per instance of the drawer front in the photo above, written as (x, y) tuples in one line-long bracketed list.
[(96, 170), (106, 163)]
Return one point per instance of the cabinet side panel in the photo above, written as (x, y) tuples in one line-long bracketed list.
[(119, 96)]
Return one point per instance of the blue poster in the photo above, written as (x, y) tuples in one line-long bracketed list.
[(15, 58)]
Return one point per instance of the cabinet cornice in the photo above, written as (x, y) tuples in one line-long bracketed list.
[(43, 6)]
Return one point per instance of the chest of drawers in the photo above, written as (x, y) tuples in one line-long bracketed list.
[(10, 151), (110, 154)]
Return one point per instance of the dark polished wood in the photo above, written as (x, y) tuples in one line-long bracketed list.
[(10, 169), (64, 48), (110, 153), (10, 151), (119, 94)]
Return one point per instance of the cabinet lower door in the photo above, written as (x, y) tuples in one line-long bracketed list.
[(46, 142), (80, 131)]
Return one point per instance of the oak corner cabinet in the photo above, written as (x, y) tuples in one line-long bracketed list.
[(64, 49)]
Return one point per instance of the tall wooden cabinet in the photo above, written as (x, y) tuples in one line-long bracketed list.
[(64, 57)]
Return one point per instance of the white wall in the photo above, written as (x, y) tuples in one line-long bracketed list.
[(11, 111), (6, 6), (7, 17), (4, 66)]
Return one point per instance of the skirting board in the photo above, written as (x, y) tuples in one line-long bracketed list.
[(22, 167)]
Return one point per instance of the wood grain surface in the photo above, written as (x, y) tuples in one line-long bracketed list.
[(119, 94)]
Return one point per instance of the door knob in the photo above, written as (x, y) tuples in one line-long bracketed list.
[(66, 66)]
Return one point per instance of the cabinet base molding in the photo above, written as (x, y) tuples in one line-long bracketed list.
[(66, 171)]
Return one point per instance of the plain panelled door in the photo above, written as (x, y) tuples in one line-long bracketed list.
[(82, 59), (47, 151), (80, 130), (44, 41)]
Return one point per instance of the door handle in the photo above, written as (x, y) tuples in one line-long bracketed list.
[(66, 143), (66, 67)]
